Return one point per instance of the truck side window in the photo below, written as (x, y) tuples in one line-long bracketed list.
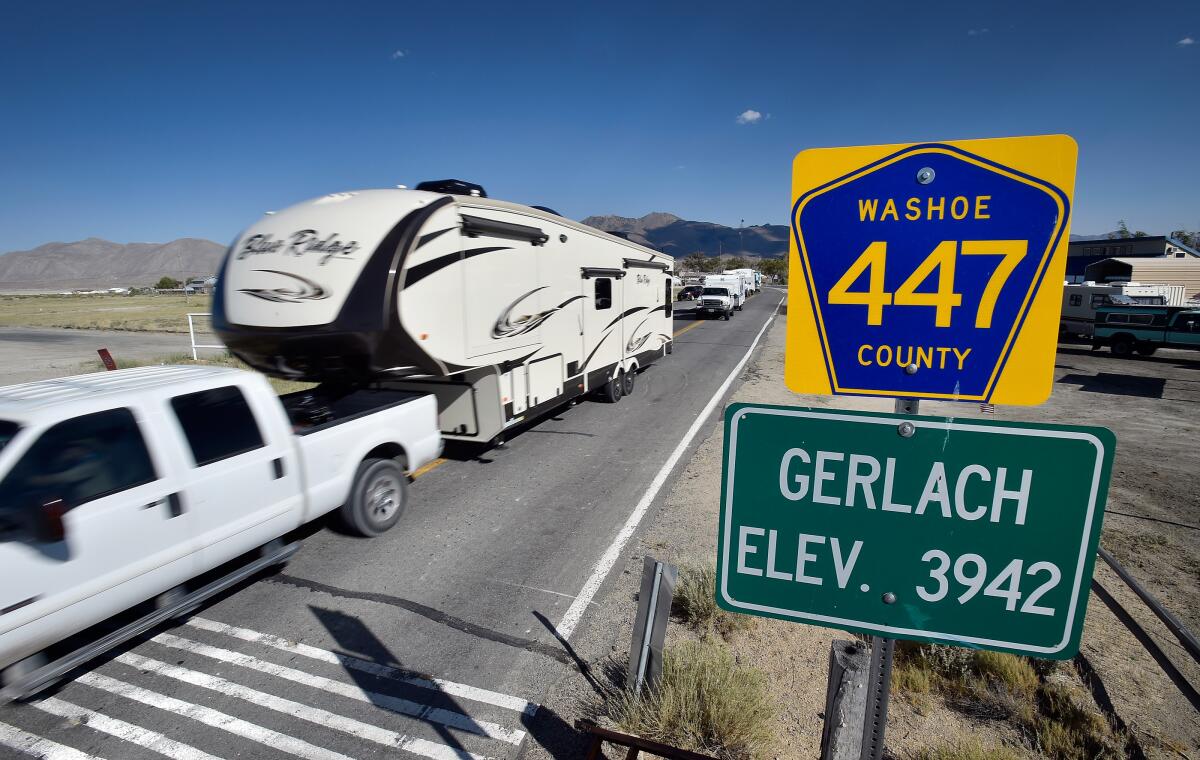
[(79, 460), (218, 424), (603, 293)]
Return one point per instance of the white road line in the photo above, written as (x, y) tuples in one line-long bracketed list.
[(29, 744), (575, 612), (366, 666), (297, 710), (144, 737), (416, 710), (210, 717)]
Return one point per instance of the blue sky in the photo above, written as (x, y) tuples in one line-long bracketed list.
[(149, 121)]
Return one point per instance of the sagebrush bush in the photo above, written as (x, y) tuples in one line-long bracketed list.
[(695, 603), (705, 702)]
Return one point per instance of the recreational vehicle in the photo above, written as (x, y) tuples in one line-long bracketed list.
[(501, 311), (734, 283), (748, 277), (1081, 301)]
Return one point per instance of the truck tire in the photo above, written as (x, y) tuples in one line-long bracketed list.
[(1145, 349), (727, 315), (627, 380), (1122, 346), (613, 389), (377, 497)]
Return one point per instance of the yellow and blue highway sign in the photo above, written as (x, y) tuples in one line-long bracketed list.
[(929, 270)]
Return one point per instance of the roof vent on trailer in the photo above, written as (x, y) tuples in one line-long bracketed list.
[(452, 187)]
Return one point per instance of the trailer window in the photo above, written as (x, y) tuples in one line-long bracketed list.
[(603, 293), (80, 460), (1076, 300), (218, 424), (8, 431), (1141, 319), (670, 296)]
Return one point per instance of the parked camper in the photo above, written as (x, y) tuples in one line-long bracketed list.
[(501, 311), (1080, 302), (120, 487), (734, 283), (1145, 329)]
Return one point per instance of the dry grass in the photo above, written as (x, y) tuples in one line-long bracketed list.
[(968, 750), (1055, 718), (695, 603), (705, 702), (218, 360), (160, 313)]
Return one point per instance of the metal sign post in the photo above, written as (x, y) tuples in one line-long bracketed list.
[(650, 625)]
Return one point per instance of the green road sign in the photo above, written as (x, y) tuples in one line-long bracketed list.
[(968, 532)]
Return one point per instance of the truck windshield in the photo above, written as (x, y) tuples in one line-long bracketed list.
[(7, 431), (715, 292)]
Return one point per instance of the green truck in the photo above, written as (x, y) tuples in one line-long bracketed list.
[(1145, 329)]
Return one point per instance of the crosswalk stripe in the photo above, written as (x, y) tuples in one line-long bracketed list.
[(15, 738), (211, 717), (144, 737), (472, 693), (395, 704), (304, 712)]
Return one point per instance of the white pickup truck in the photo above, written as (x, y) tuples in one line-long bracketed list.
[(716, 299), (118, 488)]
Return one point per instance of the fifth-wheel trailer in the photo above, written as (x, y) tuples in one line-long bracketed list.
[(501, 311)]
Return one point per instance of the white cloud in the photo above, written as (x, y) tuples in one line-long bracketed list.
[(749, 116), (977, 32), (398, 55), (1185, 42)]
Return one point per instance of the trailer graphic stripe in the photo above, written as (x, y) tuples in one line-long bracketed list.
[(419, 272), (431, 236)]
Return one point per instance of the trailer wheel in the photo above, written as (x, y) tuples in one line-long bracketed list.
[(1122, 346), (613, 389), (22, 668), (1145, 349), (627, 379), (377, 498)]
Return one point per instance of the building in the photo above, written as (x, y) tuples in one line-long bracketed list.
[(1082, 253), (1177, 270)]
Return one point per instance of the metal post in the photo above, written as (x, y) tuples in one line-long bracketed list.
[(645, 657), (192, 335), (879, 683)]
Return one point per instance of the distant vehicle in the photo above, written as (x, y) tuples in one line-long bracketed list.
[(734, 283), (502, 311), (1145, 329), (121, 487), (1081, 301), (751, 278), (690, 292), (716, 299)]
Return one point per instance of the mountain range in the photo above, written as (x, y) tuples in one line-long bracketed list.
[(96, 263)]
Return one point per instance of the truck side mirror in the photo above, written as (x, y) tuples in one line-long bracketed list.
[(48, 523)]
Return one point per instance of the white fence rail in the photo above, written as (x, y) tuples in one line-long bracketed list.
[(192, 334)]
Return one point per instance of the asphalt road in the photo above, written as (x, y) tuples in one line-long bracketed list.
[(28, 354), (468, 589)]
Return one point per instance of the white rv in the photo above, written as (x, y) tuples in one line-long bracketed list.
[(748, 277), (1081, 301), (735, 283), (501, 311)]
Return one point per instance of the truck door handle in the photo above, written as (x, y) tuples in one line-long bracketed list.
[(277, 466), (174, 504)]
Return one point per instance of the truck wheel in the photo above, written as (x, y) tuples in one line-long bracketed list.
[(1145, 349), (627, 382), (613, 389), (1122, 347), (727, 315), (377, 498)]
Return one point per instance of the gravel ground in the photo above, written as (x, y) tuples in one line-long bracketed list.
[(1150, 403)]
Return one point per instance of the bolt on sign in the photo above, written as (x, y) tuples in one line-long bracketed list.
[(957, 531), (930, 270)]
